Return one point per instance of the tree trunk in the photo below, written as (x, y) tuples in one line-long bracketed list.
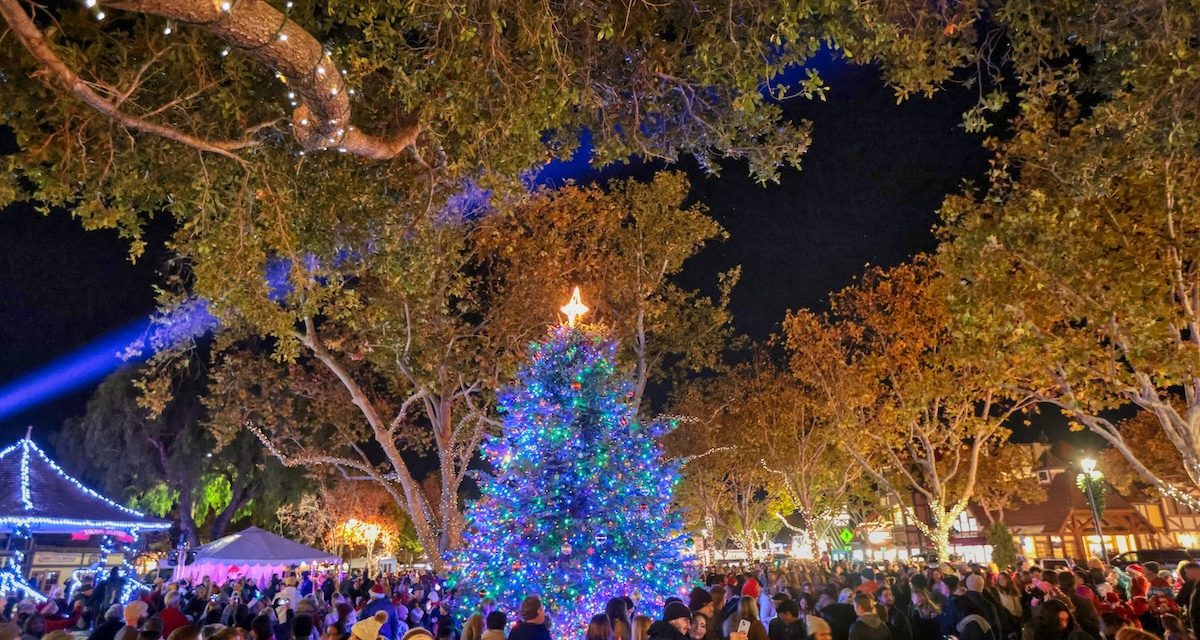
[(186, 521), (239, 498), (939, 533), (810, 529)]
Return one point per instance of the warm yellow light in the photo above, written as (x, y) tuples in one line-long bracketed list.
[(574, 308)]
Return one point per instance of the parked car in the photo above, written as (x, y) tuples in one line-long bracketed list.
[(1057, 564), (1167, 558)]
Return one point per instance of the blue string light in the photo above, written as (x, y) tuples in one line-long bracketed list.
[(579, 510), (28, 447)]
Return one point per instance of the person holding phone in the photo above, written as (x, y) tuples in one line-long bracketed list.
[(745, 620)]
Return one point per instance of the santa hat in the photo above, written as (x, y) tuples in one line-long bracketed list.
[(751, 588), (369, 629), (377, 591)]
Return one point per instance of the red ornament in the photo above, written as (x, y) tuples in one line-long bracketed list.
[(575, 386)]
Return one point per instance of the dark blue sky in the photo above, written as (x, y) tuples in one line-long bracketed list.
[(868, 193)]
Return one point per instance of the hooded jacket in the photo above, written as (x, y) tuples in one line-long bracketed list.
[(870, 627)]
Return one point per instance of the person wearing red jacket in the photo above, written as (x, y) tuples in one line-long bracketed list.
[(171, 616)]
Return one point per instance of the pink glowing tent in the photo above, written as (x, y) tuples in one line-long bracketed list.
[(253, 553)]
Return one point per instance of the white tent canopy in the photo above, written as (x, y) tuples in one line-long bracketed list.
[(254, 553)]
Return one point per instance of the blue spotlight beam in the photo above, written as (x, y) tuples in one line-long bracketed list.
[(72, 371)]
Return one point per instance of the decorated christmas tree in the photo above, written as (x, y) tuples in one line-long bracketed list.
[(579, 508)]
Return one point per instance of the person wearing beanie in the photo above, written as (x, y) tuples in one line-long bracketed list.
[(370, 628), (380, 604), (751, 589), (818, 629), (701, 601), (532, 625), (675, 623)]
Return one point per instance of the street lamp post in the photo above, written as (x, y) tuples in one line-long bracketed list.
[(1089, 471)]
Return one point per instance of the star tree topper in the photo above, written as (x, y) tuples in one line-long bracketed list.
[(574, 308)]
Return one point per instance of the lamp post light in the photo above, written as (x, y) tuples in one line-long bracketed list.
[(1090, 474)]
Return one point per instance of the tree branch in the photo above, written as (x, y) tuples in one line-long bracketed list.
[(262, 32), (26, 31)]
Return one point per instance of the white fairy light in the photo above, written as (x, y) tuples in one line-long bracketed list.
[(304, 121), (291, 95), (167, 30), (226, 7), (333, 91), (99, 15), (321, 70), (26, 500), (224, 52), (89, 3), (283, 37)]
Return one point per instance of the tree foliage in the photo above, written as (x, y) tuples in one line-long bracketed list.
[(1081, 253), (726, 488), (925, 404), (229, 116), (349, 518), (397, 352), (169, 461), (1007, 479)]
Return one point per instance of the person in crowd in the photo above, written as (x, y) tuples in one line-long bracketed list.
[(34, 627), (496, 621), (699, 628), (618, 618), (895, 617), (1054, 621), (1084, 609), (172, 617), (379, 604), (370, 627), (868, 625), (787, 625), (924, 614), (747, 610), (641, 627), (675, 623), (532, 625), (472, 629), (1110, 624), (113, 622), (186, 632), (839, 615), (716, 625), (1173, 628), (818, 629), (599, 628)]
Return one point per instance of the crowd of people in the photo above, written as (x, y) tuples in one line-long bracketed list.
[(797, 601)]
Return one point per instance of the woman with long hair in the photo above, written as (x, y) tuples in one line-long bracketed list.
[(1008, 594), (618, 617), (1054, 622), (641, 627), (599, 628), (924, 616), (747, 609)]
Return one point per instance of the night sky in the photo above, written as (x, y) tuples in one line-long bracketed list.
[(868, 193)]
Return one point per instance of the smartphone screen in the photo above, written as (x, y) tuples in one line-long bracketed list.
[(744, 626)]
